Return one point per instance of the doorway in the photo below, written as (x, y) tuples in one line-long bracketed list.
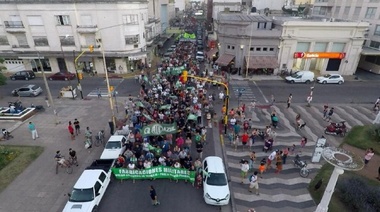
[(62, 65)]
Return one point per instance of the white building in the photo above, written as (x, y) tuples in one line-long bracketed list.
[(180, 5), (320, 45), (357, 10), (223, 5), (59, 32), (247, 42), (271, 4)]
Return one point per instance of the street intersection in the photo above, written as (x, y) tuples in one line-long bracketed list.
[(287, 190)]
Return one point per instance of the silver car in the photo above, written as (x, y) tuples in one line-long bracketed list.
[(27, 90)]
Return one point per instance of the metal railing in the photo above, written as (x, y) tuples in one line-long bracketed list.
[(87, 26), (13, 24)]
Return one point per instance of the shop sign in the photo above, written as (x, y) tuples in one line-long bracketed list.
[(159, 129), (329, 55)]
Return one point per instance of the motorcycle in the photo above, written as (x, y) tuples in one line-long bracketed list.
[(336, 129), (304, 172), (6, 134), (38, 108)]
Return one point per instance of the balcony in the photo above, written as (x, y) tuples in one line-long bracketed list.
[(14, 26), (20, 46), (86, 28)]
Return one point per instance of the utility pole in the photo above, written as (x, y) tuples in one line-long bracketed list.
[(48, 90)]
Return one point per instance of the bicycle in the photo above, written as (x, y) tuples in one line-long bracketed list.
[(73, 160), (66, 164), (99, 138)]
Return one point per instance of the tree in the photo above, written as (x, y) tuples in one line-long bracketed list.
[(3, 78)]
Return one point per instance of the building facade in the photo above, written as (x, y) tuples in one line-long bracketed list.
[(271, 4), (59, 32), (246, 39), (222, 6), (357, 10), (320, 45)]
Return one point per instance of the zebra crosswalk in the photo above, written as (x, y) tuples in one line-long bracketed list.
[(247, 94), (287, 191), (103, 88)]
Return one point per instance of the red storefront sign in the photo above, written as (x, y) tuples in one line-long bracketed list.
[(329, 55), (211, 44)]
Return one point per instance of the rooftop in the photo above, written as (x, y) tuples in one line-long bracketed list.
[(239, 17), (68, 1)]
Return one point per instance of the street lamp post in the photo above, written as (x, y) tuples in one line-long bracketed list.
[(63, 55), (76, 71)]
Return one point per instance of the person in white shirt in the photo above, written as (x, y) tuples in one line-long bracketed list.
[(195, 99), (271, 157), (244, 170), (233, 121), (253, 183), (147, 164), (161, 160), (211, 73), (221, 95)]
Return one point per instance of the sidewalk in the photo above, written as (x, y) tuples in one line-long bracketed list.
[(38, 188)]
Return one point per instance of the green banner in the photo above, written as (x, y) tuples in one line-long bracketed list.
[(157, 172), (159, 129)]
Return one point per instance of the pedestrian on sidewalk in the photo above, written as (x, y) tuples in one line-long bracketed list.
[(33, 130), (272, 99), (71, 130), (47, 101), (329, 114), (153, 196), (262, 167), (244, 170), (244, 139), (279, 162), (252, 159), (303, 144), (253, 183), (285, 153), (199, 147), (76, 126), (369, 153), (289, 100), (325, 111), (112, 126)]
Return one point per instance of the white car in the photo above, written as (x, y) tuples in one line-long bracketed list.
[(331, 78), (215, 183), (200, 56), (114, 147)]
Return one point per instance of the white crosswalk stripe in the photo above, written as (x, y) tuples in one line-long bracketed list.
[(247, 94), (103, 88), (288, 188)]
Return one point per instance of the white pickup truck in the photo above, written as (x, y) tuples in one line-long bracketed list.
[(90, 187)]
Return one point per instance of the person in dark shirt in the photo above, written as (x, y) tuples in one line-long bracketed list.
[(153, 196)]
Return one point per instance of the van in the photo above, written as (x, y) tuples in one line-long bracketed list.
[(301, 77)]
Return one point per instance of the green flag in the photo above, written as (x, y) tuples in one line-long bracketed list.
[(192, 117), (165, 107), (139, 104)]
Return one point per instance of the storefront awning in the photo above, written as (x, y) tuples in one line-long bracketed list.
[(211, 53), (370, 51), (256, 62), (224, 59)]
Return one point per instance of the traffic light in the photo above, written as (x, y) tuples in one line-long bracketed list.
[(91, 47), (184, 76), (80, 76)]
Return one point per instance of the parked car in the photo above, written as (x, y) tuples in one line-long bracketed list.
[(167, 56), (90, 188), (23, 75), (27, 90), (331, 78), (170, 50), (173, 46), (114, 147), (301, 77), (215, 183), (62, 76), (200, 56)]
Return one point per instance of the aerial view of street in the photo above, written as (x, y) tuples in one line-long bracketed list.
[(200, 105)]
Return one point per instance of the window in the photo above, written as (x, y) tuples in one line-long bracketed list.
[(251, 49), (232, 47), (21, 39), (131, 19), (374, 44), (131, 39), (265, 49), (316, 10), (320, 46), (86, 20), (261, 25), (90, 39), (258, 49), (337, 10), (102, 177), (35, 20), (303, 47), (4, 40), (97, 187), (357, 11), (40, 41), (346, 10), (271, 49), (67, 40), (377, 30), (63, 20), (338, 47), (228, 47), (370, 14)]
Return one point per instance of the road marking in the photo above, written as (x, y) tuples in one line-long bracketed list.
[(274, 198), (266, 100)]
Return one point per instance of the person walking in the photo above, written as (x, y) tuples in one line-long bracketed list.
[(199, 147), (244, 170), (285, 153), (252, 159), (329, 114), (253, 183), (99, 93), (278, 162), (76, 126), (289, 100), (368, 155), (33, 130), (71, 130), (47, 101), (112, 126), (153, 195)]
